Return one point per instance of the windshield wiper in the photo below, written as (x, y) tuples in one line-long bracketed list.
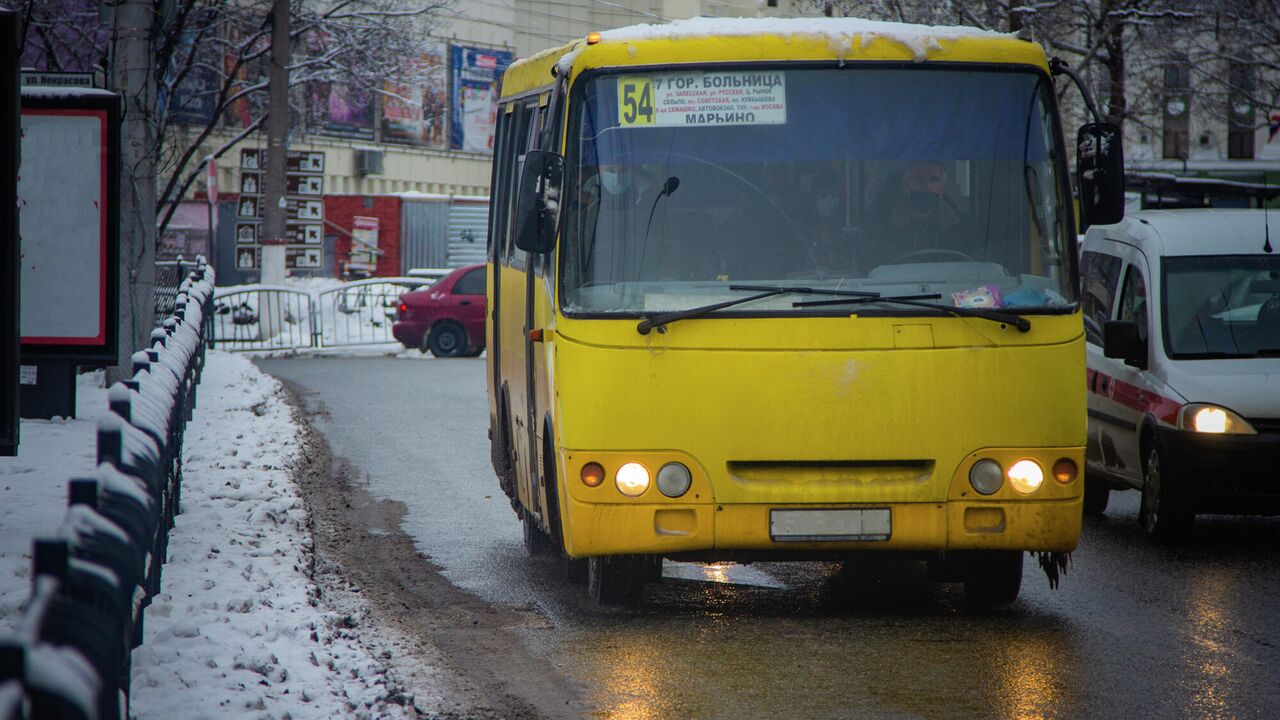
[(1019, 322), (661, 320)]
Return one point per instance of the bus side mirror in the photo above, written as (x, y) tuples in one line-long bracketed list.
[(1100, 173), (1120, 339), (538, 201)]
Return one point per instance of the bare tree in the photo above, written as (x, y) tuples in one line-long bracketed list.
[(210, 64), (183, 68), (1233, 51), (218, 64)]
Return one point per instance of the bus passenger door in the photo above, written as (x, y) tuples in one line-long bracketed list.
[(538, 299), (498, 257), (513, 310)]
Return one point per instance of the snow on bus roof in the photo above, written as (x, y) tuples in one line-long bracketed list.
[(841, 33)]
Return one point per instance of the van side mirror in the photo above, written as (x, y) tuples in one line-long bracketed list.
[(538, 201), (1120, 339), (1100, 173)]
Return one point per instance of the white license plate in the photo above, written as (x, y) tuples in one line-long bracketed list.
[(829, 525)]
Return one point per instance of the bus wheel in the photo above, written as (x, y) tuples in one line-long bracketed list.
[(536, 542), (992, 577), (1097, 493), (1164, 512), (614, 579), (651, 568), (575, 570)]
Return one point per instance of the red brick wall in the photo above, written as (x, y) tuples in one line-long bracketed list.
[(340, 209)]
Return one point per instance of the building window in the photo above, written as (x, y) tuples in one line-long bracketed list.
[(1177, 108), (1240, 114), (772, 3)]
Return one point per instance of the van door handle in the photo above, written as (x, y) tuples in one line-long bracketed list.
[(464, 302)]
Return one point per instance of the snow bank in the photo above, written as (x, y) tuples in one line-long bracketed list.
[(239, 630), (33, 487)]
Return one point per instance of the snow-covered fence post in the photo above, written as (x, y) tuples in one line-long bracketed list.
[(69, 657)]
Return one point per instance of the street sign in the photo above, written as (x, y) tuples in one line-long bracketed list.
[(304, 209)]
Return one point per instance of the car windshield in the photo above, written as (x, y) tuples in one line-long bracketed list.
[(1222, 306), (898, 181)]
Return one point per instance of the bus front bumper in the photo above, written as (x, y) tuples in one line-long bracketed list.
[(952, 525)]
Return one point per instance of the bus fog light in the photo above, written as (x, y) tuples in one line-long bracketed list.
[(632, 479), (674, 479), (1065, 470), (986, 476), (1026, 476), (592, 474)]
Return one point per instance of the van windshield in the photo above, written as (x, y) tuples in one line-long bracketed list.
[(1221, 306), (893, 180)]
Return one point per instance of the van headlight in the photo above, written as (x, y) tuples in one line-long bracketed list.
[(1213, 419)]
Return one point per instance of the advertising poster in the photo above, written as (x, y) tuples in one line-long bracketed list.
[(473, 99), (364, 244), (342, 110), (414, 113), (67, 223)]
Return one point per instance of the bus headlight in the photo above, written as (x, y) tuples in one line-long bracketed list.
[(674, 479), (1026, 476), (632, 479), (1206, 418), (986, 476)]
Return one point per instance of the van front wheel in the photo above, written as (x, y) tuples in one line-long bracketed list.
[(1165, 512)]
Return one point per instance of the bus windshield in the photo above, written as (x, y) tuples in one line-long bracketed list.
[(892, 180)]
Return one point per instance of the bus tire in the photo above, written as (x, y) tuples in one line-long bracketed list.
[(1097, 493), (992, 578), (536, 542), (575, 570), (614, 580), (500, 449), (446, 339)]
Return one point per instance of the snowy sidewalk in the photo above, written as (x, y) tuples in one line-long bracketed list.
[(237, 630)]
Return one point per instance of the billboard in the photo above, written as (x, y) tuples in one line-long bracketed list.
[(342, 110), (473, 96), (66, 200), (413, 110)]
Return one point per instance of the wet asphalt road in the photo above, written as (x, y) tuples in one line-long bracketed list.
[(1135, 630)]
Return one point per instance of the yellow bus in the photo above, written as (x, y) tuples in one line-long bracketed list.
[(786, 290)]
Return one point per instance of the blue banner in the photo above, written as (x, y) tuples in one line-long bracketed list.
[(473, 96)]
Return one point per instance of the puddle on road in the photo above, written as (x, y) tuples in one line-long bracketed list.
[(729, 573)]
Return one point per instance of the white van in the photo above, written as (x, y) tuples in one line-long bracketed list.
[(1182, 322)]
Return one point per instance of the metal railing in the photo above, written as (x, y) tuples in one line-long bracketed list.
[(169, 277), (69, 656), (266, 317)]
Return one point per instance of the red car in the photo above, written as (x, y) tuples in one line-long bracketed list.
[(446, 318)]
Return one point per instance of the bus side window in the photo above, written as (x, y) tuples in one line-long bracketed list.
[(499, 197), (1100, 274), (538, 137), (520, 120)]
